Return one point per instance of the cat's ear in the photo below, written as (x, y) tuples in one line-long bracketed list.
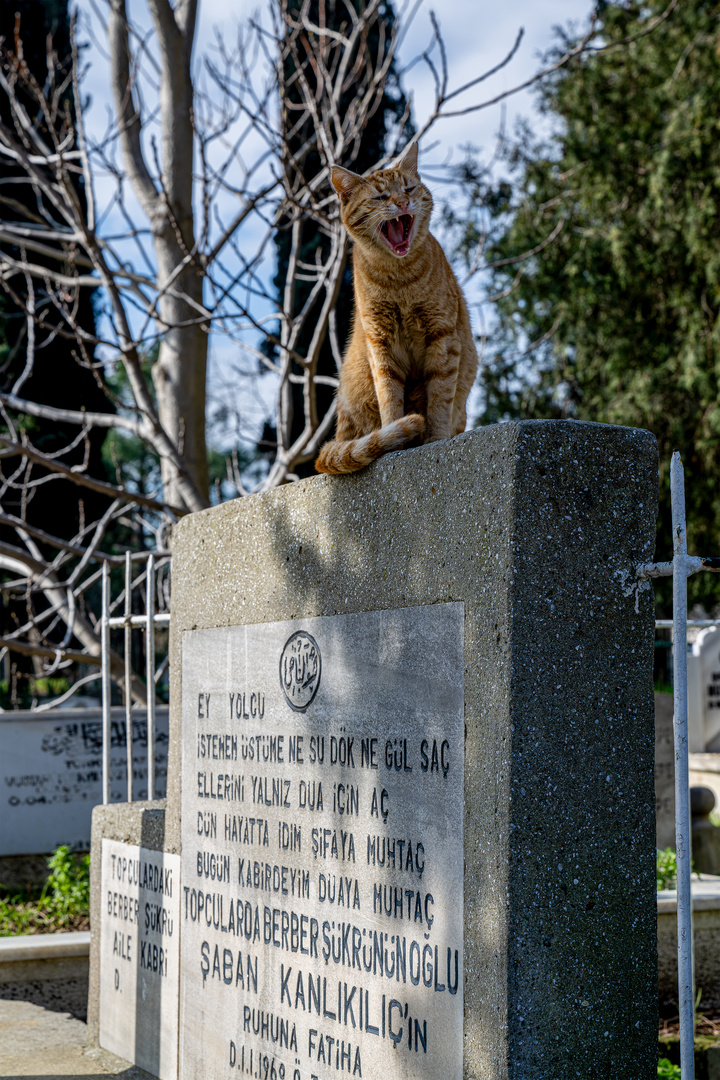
[(408, 164), (344, 181)]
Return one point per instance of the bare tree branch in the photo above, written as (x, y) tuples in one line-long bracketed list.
[(81, 480)]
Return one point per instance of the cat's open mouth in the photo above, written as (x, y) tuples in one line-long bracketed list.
[(397, 231)]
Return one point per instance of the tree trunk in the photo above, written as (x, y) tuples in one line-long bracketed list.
[(181, 369), (180, 373), (179, 376)]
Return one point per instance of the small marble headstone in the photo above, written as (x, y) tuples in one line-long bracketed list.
[(51, 774), (139, 956), (706, 698)]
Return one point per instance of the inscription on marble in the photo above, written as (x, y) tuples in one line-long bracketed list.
[(322, 840), (139, 956), (51, 774)]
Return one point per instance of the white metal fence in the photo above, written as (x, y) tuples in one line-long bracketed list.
[(129, 622)]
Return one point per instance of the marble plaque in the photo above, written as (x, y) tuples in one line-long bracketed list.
[(322, 848), (139, 954)]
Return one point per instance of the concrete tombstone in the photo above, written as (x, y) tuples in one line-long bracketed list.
[(454, 645)]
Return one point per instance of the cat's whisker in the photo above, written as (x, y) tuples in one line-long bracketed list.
[(374, 222)]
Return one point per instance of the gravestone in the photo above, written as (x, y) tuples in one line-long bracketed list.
[(51, 774), (139, 956), (704, 690), (664, 772), (454, 645), (705, 836)]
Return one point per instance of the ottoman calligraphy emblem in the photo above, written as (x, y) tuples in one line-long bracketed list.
[(300, 667)]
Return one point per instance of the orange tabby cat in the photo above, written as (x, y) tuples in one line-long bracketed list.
[(411, 360)]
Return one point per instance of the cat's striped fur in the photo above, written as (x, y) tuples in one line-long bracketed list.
[(411, 360)]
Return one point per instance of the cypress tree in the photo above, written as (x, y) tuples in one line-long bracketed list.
[(372, 148), (57, 378)]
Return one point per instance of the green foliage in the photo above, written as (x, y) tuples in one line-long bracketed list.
[(26, 689), (68, 884), (666, 867), (668, 1071), (663, 687), (617, 318), (64, 900)]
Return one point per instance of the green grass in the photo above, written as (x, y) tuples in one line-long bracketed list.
[(667, 1070), (63, 903), (666, 866)]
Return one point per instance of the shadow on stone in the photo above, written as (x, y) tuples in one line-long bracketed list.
[(60, 995)]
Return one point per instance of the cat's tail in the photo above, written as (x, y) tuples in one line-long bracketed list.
[(346, 457)]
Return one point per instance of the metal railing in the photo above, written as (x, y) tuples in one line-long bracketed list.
[(665, 623), (680, 569), (129, 622)]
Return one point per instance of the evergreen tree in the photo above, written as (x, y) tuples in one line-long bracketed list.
[(57, 378), (616, 318)]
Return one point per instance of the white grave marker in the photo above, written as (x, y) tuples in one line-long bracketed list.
[(51, 774), (704, 695), (139, 953), (322, 824)]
